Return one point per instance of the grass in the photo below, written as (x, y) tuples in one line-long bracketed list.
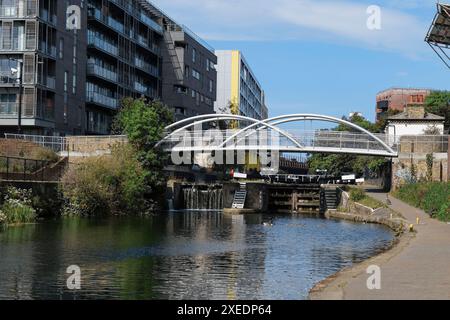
[(360, 196), (17, 213), (17, 207), (432, 197)]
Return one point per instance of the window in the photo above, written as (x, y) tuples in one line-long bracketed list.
[(194, 55), (61, 48), (181, 90), (66, 79), (196, 74), (186, 72), (30, 35), (74, 84), (179, 110), (211, 85), (207, 64), (193, 93)]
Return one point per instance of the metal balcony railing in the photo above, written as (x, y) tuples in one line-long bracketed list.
[(94, 69), (96, 97)]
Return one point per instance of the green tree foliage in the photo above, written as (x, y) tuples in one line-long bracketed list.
[(382, 122), (438, 102), (432, 197), (128, 180), (17, 207), (106, 184), (144, 123), (336, 164)]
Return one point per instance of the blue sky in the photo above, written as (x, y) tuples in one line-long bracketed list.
[(318, 56)]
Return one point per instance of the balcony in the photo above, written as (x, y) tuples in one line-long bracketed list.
[(16, 11), (47, 17), (48, 49), (107, 20), (148, 91), (49, 82), (8, 109), (96, 70), (147, 67), (142, 16), (151, 23), (103, 45), (101, 99), (143, 41)]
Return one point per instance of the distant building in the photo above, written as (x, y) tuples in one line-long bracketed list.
[(74, 80), (398, 99), (238, 90), (189, 72), (414, 121)]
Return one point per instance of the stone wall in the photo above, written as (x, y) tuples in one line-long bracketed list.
[(412, 161), (87, 145), (20, 149)]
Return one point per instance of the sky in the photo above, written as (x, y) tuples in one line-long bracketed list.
[(320, 56)]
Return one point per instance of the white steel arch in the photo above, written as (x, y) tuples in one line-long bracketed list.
[(217, 117), (272, 124)]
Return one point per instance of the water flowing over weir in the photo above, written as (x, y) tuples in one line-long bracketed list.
[(202, 197)]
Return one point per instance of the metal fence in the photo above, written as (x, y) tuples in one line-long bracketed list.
[(72, 144), (21, 169)]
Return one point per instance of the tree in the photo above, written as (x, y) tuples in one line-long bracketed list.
[(144, 124), (432, 130), (438, 102), (382, 122), (336, 164)]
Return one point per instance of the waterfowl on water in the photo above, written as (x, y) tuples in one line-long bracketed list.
[(268, 223)]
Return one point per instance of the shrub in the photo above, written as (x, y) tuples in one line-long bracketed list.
[(106, 184), (357, 194), (432, 197), (45, 154), (2, 218), (17, 207)]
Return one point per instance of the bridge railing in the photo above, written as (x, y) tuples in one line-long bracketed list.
[(267, 138)]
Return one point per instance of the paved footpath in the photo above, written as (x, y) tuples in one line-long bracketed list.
[(418, 268)]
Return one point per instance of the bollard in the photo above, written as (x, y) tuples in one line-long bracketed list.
[(418, 221), (411, 228)]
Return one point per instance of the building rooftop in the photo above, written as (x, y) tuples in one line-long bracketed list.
[(156, 11), (405, 89), (414, 117)]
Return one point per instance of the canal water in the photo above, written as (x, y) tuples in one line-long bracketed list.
[(183, 255)]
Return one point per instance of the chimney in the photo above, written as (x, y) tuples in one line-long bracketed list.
[(415, 112)]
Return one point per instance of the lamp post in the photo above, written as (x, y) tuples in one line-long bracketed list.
[(19, 113)]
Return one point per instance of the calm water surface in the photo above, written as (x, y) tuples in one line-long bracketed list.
[(185, 255)]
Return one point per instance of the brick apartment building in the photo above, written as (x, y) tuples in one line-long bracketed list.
[(399, 98)]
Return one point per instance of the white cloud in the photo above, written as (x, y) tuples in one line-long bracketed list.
[(338, 21)]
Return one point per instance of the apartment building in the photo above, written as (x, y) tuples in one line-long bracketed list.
[(123, 58), (189, 72), (73, 80), (398, 99), (238, 90)]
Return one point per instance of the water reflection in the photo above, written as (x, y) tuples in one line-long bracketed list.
[(185, 255)]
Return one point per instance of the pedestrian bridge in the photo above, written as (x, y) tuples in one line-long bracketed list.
[(192, 135)]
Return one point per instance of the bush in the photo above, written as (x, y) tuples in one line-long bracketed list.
[(106, 184), (2, 218), (357, 195), (432, 197), (45, 154), (17, 207)]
